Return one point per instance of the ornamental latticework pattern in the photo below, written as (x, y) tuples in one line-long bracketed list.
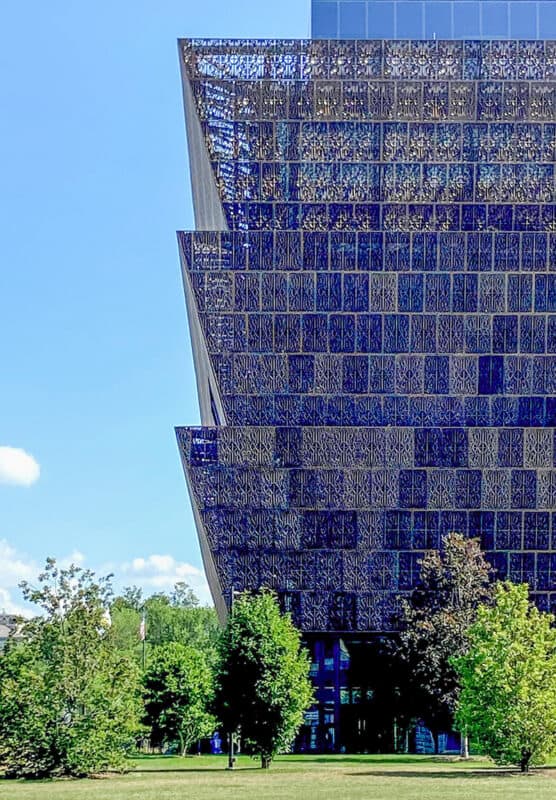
[(378, 321)]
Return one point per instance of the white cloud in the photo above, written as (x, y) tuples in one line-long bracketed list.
[(14, 568), (76, 557), (18, 467), (8, 606), (161, 572), (153, 573)]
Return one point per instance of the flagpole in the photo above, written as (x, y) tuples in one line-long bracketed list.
[(143, 634), (231, 753)]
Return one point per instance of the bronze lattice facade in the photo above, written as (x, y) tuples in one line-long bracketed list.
[(372, 299)]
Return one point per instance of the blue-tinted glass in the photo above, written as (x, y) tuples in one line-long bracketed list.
[(380, 15), (409, 20), (438, 20), (547, 20), (467, 20), (352, 20), (325, 19), (495, 19), (460, 19), (523, 20)]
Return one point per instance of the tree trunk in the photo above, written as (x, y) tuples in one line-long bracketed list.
[(464, 746), (525, 759), (265, 762)]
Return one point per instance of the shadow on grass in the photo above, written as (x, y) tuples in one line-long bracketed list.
[(199, 770), (295, 763), (142, 763), (434, 774), (369, 759)]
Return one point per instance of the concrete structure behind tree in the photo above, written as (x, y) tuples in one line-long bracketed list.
[(8, 626)]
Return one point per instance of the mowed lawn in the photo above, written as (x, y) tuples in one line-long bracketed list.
[(298, 777)]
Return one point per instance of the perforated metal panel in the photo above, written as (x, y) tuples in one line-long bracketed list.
[(379, 320)]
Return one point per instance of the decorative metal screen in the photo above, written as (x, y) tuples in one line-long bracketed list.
[(378, 323)]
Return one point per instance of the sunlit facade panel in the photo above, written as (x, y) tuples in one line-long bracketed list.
[(371, 292)]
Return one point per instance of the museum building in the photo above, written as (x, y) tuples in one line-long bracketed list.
[(371, 293)]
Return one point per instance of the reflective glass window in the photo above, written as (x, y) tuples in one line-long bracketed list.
[(409, 20), (523, 20), (325, 19), (495, 20), (467, 20), (547, 20), (380, 15), (438, 20), (353, 20)]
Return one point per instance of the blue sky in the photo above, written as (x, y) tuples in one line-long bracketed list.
[(95, 361)]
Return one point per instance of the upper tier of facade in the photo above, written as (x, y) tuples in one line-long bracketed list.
[(372, 299), (378, 136)]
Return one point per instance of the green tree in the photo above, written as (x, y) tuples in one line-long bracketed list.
[(178, 691), (436, 619), (126, 622), (131, 597), (192, 625), (508, 680), (183, 596), (69, 701), (263, 684), (177, 617)]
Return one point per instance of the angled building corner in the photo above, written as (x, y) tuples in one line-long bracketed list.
[(194, 443)]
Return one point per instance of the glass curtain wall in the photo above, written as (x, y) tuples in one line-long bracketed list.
[(433, 19)]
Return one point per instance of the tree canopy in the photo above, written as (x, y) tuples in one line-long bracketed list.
[(69, 702), (263, 684), (436, 619), (178, 691), (508, 680), (175, 617)]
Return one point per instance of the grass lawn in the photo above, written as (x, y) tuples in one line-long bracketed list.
[(297, 778)]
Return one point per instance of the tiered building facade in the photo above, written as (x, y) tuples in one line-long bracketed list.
[(371, 292)]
